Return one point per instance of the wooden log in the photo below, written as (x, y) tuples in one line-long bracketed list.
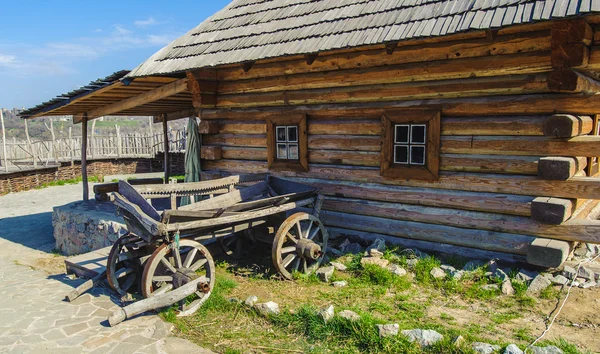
[(344, 127), (211, 152), (560, 168), (208, 127), (566, 80), (480, 47), (587, 146), (487, 240), (158, 301), (87, 285), (459, 68), (523, 125), (244, 153), (576, 187), (436, 247), (566, 126), (552, 211), (569, 43), (520, 84), (246, 140), (344, 142), (523, 165), (166, 150)]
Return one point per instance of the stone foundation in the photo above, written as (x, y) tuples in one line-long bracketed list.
[(81, 227)]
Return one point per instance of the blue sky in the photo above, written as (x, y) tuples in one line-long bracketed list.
[(48, 47)]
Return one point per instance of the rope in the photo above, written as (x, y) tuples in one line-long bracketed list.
[(588, 260)]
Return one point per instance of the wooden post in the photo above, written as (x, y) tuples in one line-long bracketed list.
[(84, 124), (71, 153), (119, 143), (4, 140), (92, 142), (29, 145), (166, 148)]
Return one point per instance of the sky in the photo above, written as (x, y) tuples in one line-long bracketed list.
[(50, 47)]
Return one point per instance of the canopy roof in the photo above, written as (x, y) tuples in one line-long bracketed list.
[(250, 30)]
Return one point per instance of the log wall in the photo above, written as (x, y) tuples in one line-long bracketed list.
[(495, 97)]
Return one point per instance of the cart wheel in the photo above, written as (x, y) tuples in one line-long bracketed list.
[(299, 245), (235, 245), (124, 264), (169, 268)]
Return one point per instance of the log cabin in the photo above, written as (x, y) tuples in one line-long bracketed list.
[(466, 127)]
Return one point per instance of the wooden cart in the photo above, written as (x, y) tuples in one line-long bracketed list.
[(165, 249)]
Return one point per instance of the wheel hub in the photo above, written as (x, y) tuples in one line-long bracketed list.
[(307, 249)]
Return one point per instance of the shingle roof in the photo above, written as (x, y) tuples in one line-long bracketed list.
[(248, 30)]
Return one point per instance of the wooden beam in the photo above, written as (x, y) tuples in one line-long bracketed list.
[(560, 168), (192, 112), (166, 148), (84, 142), (563, 80), (553, 211), (208, 127), (203, 91), (212, 153), (566, 126), (162, 92), (310, 58), (569, 41)]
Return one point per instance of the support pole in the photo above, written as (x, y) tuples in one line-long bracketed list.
[(84, 177), (166, 148), (4, 140), (29, 145)]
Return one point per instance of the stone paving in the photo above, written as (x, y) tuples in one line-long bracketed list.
[(35, 318)]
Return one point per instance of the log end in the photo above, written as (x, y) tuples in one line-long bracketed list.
[(551, 211), (548, 253), (117, 317)]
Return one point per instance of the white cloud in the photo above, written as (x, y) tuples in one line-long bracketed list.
[(119, 29), (66, 50), (6, 60), (143, 23), (162, 39)]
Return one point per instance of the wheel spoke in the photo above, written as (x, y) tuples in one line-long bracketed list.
[(308, 229), (163, 289), (177, 257), (288, 260), (198, 264), (128, 282), (166, 278), (299, 229), (304, 266), (168, 265), (296, 264), (190, 257), (123, 272), (291, 238), (314, 233), (288, 249)]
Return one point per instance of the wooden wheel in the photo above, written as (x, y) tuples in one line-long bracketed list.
[(170, 267), (300, 244), (237, 244), (124, 264)]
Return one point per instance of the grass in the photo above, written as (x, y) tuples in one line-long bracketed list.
[(63, 182), (376, 294)]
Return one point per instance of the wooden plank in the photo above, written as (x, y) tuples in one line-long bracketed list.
[(84, 142), (165, 91), (509, 145), (566, 126), (229, 199), (166, 163), (576, 187)]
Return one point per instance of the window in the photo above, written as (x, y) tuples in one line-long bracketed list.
[(411, 144), (287, 143)]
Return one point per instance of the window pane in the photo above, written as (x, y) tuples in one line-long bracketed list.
[(282, 151), (280, 133), (292, 134), (417, 135), (401, 134), (293, 151), (417, 155), (401, 154)]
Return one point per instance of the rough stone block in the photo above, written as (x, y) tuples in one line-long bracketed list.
[(548, 253)]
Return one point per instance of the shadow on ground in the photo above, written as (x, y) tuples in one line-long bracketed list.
[(33, 231)]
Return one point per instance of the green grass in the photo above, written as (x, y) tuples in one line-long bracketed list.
[(423, 269), (562, 344), (63, 182)]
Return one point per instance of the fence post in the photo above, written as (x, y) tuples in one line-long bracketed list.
[(29, 145), (119, 142), (71, 154), (4, 140)]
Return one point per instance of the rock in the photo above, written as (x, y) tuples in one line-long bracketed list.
[(448, 268), (425, 338), (234, 300), (585, 273), (339, 284), (388, 330), (251, 300), (589, 284), (325, 273), (378, 244), (581, 250), (339, 266), (377, 261), (437, 273), (500, 274), (397, 270), (545, 350), (350, 247), (458, 275), (267, 308), (569, 272), (512, 349), (490, 287), (349, 315), (327, 313), (472, 265), (507, 288), (411, 263), (484, 348), (375, 253), (526, 276), (492, 266), (537, 285), (459, 341), (559, 280), (597, 276), (420, 254)]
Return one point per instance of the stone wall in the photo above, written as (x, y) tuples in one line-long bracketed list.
[(81, 227), (26, 180)]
